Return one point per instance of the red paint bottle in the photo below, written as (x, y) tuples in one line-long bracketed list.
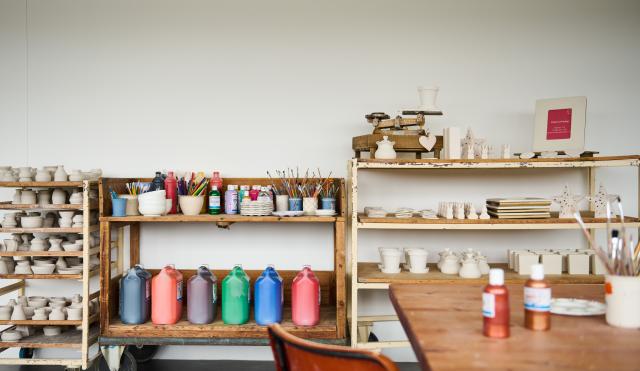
[(495, 306), (171, 186)]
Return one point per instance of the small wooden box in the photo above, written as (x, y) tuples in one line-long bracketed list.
[(552, 263), (578, 263)]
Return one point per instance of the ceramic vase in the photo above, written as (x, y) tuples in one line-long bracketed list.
[(18, 313), (11, 264), (59, 196), (470, 268), (282, 202), (5, 312), (60, 175), (17, 198), (28, 197), (56, 244), (61, 263), (9, 220), (309, 205), (43, 175), (57, 314), (44, 197)]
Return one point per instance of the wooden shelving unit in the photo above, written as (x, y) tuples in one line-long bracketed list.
[(332, 326), (366, 275), (76, 339)]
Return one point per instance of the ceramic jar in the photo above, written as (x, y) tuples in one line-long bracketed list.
[(23, 267), (57, 314), (450, 264), (44, 197), (5, 312), (75, 198), (28, 197), (56, 244), (59, 196), (385, 149), (9, 220), (52, 330), (416, 260), (61, 263), (60, 175), (470, 268), (18, 313), (43, 175), (38, 244), (40, 314), (25, 174), (74, 312), (17, 197), (76, 176), (390, 260)]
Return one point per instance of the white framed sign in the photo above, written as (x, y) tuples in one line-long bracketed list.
[(560, 124)]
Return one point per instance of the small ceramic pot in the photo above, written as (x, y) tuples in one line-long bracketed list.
[(38, 244), (37, 302), (59, 197), (328, 203), (9, 220), (131, 208), (28, 312), (60, 175), (282, 202), (57, 314), (309, 205), (390, 260), (18, 313), (295, 204), (17, 198), (416, 260), (10, 244), (28, 197), (470, 268), (56, 244), (11, 264), (74, 312), (43, 175), (191, 205), (4, 268), (52, 330), (5, 312), (450, 265), (11, 335), (23, 267), (622, 295), (31, 222), (65, 223), (153, 203)]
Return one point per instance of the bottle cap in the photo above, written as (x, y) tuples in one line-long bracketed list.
[(214, 188), (496, 277), (537, 272)]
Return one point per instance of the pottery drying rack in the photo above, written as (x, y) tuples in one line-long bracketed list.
[(332, 326)]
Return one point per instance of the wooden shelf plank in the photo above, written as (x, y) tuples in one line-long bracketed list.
[(224, 218), (41, 253), (548, 223), (434, 163), (7, 205), (92, 319), (326, 329), (44, 184), (92, 228), (67, 339), (369, 273), (42, 276)]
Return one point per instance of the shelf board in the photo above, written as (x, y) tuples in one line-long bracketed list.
[(513, 163), (92, 319), (222, 218), (548, 223), (7, 205), (368, 273), (41, 253), (92, 228), (44, 184), (54, 276), (67, 339), (326, 329)]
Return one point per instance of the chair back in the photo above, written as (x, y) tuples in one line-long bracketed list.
[(294, 354)]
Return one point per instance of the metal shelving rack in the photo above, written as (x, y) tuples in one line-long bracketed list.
[(366, 276), (79, 339)]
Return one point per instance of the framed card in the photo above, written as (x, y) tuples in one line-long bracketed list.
[(560, 124)]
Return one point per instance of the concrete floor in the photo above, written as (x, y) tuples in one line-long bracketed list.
[(172, 365)]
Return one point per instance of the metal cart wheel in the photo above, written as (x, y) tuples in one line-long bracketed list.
[(26, 353), (373, 338), (142, 353), (127, 363)]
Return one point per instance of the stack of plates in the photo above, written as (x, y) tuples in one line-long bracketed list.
[(375, 212), (519, 208), (404, 212), (428, 214), (256, 208)]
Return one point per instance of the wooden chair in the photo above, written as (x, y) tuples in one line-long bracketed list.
[(294, 354)]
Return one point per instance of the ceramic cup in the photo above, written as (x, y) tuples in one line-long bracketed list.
[(132, 204), (282, 202), (416, 260), (295, 204), (622, 295), (118, 206), (191, 205), (309, 205), (328, 203), (390, 260)]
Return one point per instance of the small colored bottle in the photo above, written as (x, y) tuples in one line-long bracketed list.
[(216, 180), (246, 197), (305, 298), (157, 184), (254, 193), (264, 195), (171, 186), (537, 301), (231, 200), (214, 201), (495, 306), (235, 297)]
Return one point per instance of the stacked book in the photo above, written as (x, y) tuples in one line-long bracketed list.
[(519, 208)]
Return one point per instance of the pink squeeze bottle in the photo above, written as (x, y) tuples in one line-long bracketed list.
[(305, 298), (166, 296)]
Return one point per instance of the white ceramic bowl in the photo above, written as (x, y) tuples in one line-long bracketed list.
[(151, 209), (11, 335), (69, 270), (43, 269), (191, 205), (43, 261), (66, 214), (31, 221), (70, 246), (37, 301), (153, 195), (52, 330)]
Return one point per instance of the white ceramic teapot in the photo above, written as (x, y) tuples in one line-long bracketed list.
[(470, 268), (385, 149), (450, 264)]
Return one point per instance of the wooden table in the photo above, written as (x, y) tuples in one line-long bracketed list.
[(444, 325)]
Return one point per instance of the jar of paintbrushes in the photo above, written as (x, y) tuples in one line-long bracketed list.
[(133, 190), (300, 193), (191, 193)]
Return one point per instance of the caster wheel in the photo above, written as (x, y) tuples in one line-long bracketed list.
[(373, 338), (142, 353), (26, 353), (127, 363)]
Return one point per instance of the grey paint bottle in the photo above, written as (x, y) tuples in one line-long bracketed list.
[(135, 296), (202, 296)]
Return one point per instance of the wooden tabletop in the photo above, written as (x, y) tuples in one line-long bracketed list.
[(444, 326)]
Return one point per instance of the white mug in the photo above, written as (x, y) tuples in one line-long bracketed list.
[(622, 295)]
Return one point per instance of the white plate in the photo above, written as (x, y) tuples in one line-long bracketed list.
[(288, 213), (577, 307), (325, 212)]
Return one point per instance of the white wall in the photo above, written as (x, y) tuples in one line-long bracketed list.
[(247, 86)]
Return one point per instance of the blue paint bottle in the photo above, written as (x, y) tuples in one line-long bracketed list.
[(268, 297)]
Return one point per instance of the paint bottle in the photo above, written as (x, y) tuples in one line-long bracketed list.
[(268, 297), (231, 200), (537, 301), (235, 297), (254, 192), (214, 201), (170, 186), (216, 180), (495, 306), (135, 295), (202, 296), (166, 290), (305, 298), (157, 183)]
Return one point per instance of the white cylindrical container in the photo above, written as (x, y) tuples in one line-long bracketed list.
[(417, 260), (309, 205), (390, 260), (622, 295), (282, 202)]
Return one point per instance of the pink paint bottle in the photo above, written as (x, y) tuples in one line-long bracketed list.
[(166, 296), (305, 298)]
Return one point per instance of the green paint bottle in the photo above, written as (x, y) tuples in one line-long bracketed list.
[(235, 297), (214, 201)]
